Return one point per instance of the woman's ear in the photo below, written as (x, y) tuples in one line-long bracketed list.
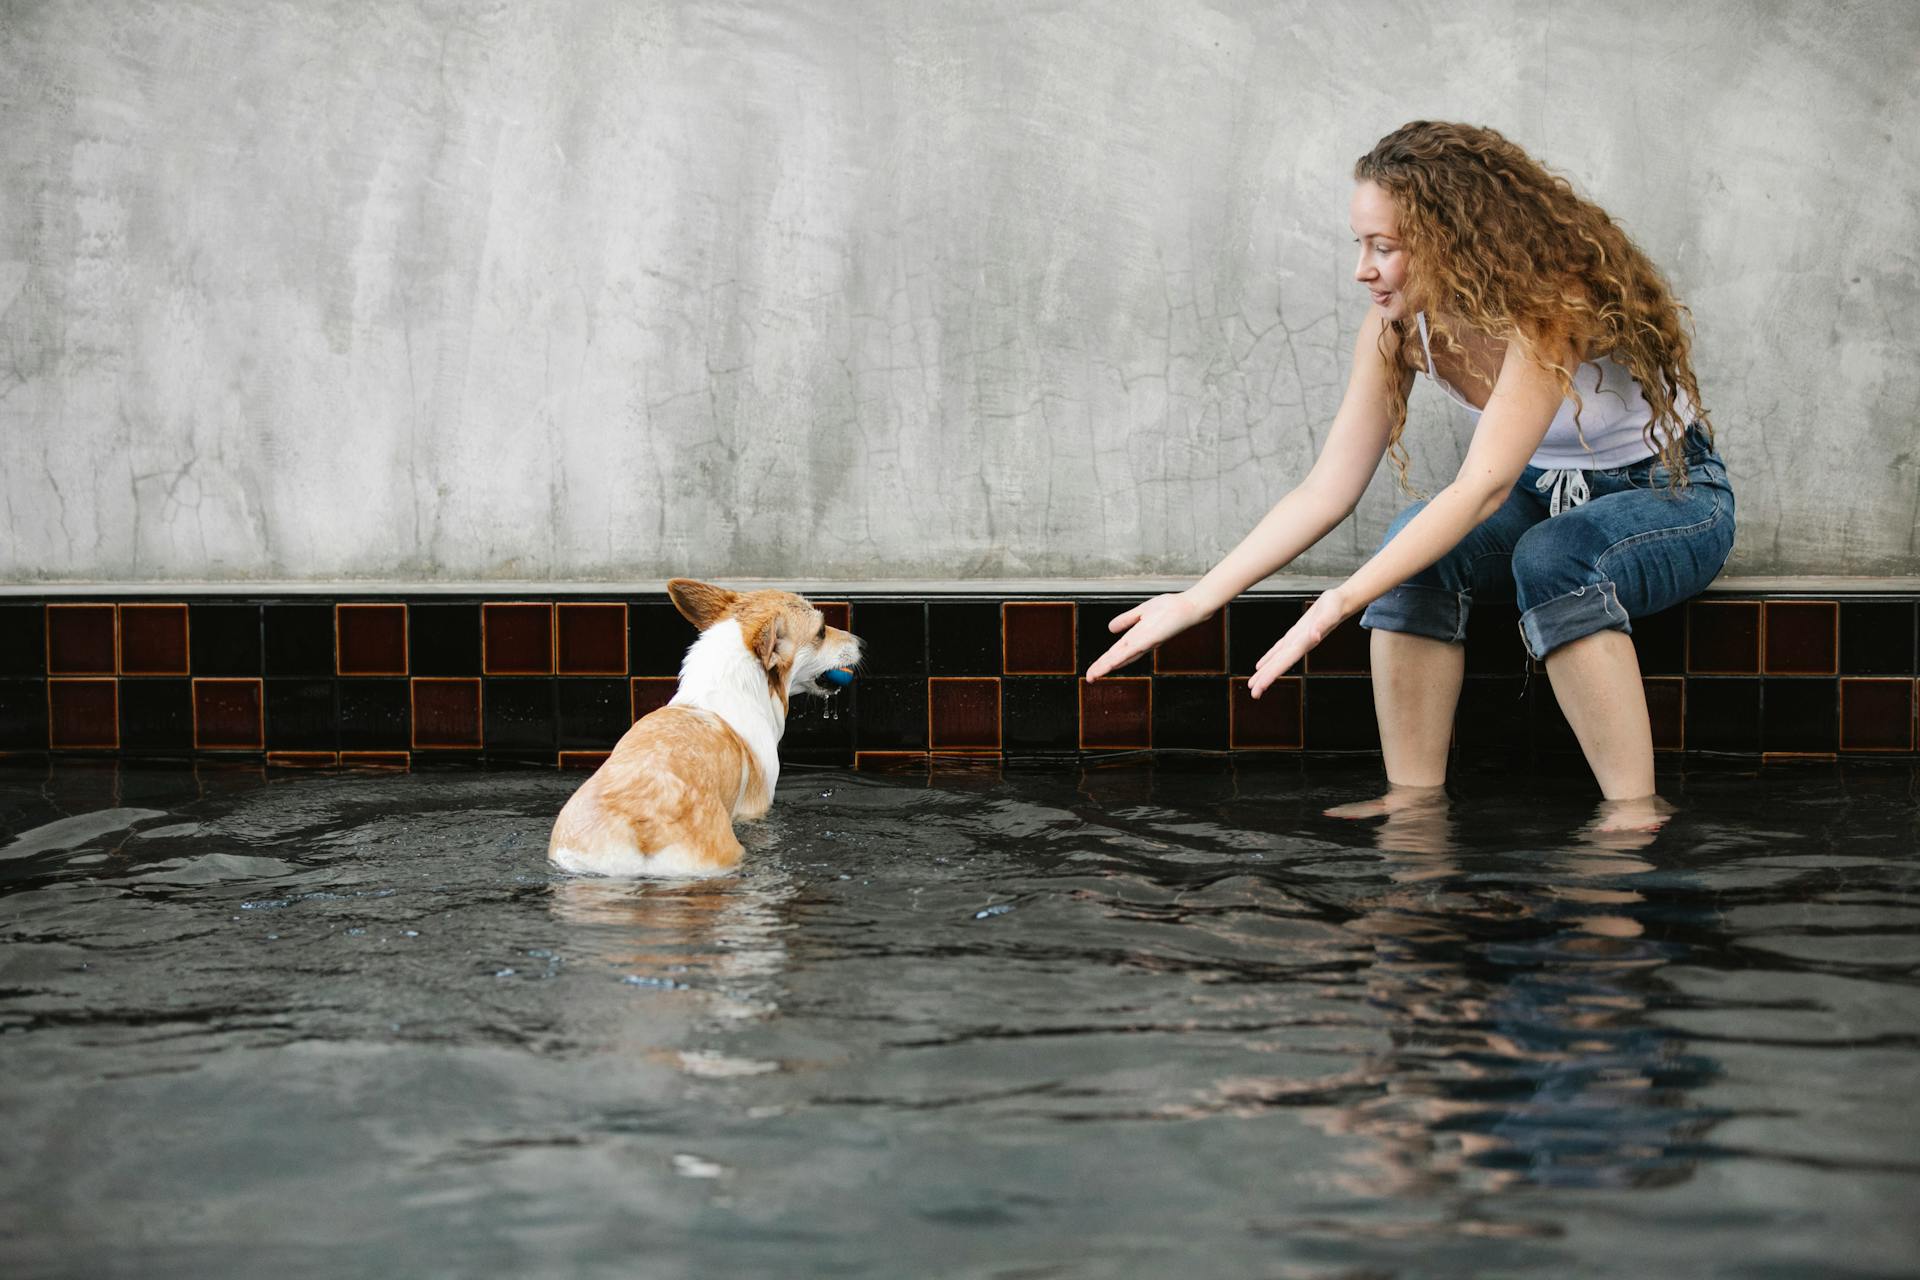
[(701, 603)]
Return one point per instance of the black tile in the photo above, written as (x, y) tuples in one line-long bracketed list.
[(1040, 715), (443, 639), (594, 712), (657, 638), (819, 722), (225, 639), (894, 637), (23, 715), (1190, 713), (1877, 638), (1339, 714), (1092, 638), (299, 640), (300, 713), (892, 713), (963, 638), (519, 714), (1494, 647), (1800, 715), (376, 714), (23, 640), (156, 714), (1551, 732), (1660, 642), (1723, 715), (1493, 712), (1252, 628)]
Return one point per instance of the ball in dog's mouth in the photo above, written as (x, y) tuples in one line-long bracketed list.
[(838, 677)]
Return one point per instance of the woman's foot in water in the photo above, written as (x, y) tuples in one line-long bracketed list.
[(1627, 825), (1397, 799)]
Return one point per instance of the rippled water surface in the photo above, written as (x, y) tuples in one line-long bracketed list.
[(1127, 1021)]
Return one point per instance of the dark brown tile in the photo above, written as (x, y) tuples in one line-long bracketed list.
[(836, 613), (1270, 722), (517, 639), (1723, 637), (1116, 714), (81, 639), (375, 759), (302, 759), (446, 713), (371, 639), (1667, 711), (592, 639), (1200, 650), (1876, 714), (1038, 637), (1802, 637), (153, 639), (586, 761), (83, 714), (229, 714), (650, 693), (1344, 653), (890, 761), (963, 713)]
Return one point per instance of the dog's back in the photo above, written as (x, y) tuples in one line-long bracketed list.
[(663, 804)]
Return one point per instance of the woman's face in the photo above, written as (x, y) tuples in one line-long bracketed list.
[(1382, 269)]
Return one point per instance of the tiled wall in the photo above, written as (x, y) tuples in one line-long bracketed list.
[(397, 680)]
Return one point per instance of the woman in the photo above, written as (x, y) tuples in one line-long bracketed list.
[(1590, 489)]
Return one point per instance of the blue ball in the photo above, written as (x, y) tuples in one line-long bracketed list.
[(839, 677)]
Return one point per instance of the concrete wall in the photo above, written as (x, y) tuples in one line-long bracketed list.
[(867, 289)]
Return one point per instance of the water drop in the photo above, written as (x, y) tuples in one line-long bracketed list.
[(504, 973), (997, 909)]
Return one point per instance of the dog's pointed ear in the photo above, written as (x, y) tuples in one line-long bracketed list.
[(701, 603), (772, 644)]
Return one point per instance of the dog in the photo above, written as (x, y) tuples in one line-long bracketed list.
[(665, 801)]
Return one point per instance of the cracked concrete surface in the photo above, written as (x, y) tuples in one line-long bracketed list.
[(857, 290)]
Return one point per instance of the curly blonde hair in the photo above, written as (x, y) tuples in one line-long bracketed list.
[(1497, 243)]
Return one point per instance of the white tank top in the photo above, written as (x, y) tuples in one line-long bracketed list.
[(1613, 416)]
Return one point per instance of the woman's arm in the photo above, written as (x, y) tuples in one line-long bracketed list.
[(1524, 400), (1327, 495)]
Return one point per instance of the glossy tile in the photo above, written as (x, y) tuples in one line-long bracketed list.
[(375, 715), (302, 759), (650, 693), (1116, 714), (1800, 715), (592, 638), (963, 714), (1039, 637), (1877, 713), (1342, 653), (228, 714), (1493, 639), (371, 639), (963, 638), (1723, 637), (23, 641), (301, 714), (1802, 637), (83, 714), (893, 636), (821, 727), (443, 639), (1253, 625), (156, 715), (1494, 712), (1271, 722), (153, 639), (224, 638), (81, 639), (1723, 716), (593, 712), (835, 613), (892, 713), (584, 761), (1093, 639), (1339, 715), (1199, 650), (516, 639), (298, 640), (1660, 642), (520, 715), (1190, 713), (657, 638), (1877, 638), (1667, 711), (446, 713), (1040, 715), (23, 715)]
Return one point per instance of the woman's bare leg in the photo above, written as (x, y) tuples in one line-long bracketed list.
[(1416, 686), (1596, 680)]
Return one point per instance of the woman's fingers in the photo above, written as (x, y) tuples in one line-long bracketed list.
[(1126, 619)]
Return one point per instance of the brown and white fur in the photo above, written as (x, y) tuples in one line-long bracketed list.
[(665, 801)]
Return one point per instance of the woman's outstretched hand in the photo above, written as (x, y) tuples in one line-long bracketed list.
[(1315, 625), (1146, 625)]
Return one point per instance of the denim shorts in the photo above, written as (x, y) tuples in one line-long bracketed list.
[(1634, 547)]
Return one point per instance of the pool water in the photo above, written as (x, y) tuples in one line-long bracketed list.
[(1132, 1020)]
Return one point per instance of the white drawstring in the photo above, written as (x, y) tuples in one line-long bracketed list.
[(1566, 488)]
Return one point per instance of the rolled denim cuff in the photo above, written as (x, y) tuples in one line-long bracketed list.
[(1570, 617), (1421, 611)]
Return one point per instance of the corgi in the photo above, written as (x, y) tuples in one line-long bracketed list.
[(665, 801)]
